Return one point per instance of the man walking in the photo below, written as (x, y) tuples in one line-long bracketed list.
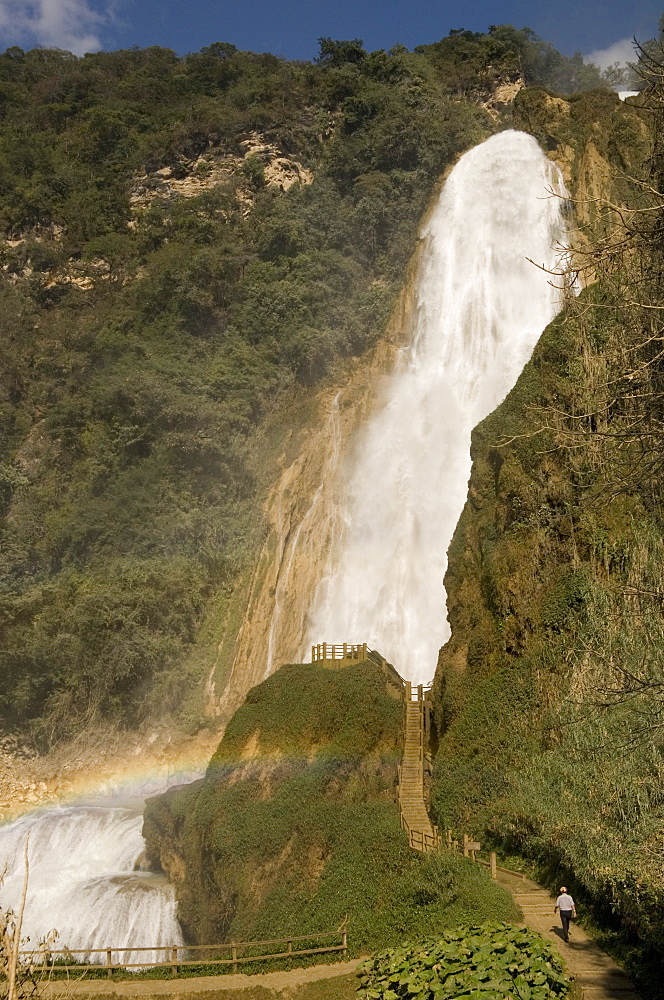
[(565, 904)]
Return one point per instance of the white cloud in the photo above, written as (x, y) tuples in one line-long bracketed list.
[(620, 52), (59, 24)]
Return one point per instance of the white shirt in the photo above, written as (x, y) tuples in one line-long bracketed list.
[(565, 902)]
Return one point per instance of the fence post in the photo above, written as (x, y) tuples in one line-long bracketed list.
[(465, 845), (313, 654), (174, 961), (448, 837), (289, 947), (234, 955), (109, 962), (324, 650), (494, 867), (344, 939)]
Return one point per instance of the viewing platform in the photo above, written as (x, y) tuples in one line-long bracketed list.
[(345, 654)]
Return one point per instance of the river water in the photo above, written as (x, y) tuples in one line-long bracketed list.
[(82, 881)]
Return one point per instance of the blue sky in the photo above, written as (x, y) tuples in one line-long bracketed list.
[(291, 27)]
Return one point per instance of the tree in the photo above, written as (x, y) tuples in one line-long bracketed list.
[(333, 53)]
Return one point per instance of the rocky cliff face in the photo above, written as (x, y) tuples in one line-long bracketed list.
[(599, 143), (310, 445)]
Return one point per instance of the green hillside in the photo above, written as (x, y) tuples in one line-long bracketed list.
[(296, 825), (190, 244), (549, 693)]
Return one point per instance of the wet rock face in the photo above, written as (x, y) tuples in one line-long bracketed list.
[(302, 513)]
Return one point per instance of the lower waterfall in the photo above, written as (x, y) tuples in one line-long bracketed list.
[(82, 882), (484, 294)]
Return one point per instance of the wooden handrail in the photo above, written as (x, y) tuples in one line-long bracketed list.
[(187, 947), (346, 652), (416, 692), (418, 839), (47, 958), (64, 967), (341, 651)]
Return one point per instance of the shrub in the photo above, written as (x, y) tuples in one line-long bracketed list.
[(488, 962)]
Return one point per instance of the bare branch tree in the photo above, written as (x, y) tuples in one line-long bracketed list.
[(16, 937)]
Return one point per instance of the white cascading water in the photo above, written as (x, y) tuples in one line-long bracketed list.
[(82, 882), (482, 303)]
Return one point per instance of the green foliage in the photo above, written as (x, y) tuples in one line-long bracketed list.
[(487, 962), (295, 824), (333, 53), (470, 62), (129, 407), (98, 635), (552, 743), (144, 343), (356, 717), (551, 739)]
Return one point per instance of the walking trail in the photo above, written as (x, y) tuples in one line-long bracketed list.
[(210, 985), (598, 975), (595, 973)]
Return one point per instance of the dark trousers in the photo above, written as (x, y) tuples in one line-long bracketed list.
[(565, 917)]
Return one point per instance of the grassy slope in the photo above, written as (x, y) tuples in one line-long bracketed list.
[(295, 824)]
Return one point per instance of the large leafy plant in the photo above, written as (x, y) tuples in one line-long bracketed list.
[(491, 962)]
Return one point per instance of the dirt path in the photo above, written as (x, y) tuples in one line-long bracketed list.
[(273, 981), (598, 975)]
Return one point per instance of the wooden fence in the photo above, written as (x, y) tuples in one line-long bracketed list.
[(347, 653), (342, 651), (178, 956), (419, 840)]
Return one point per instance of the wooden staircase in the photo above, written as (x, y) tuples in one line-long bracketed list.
[(422, 835)]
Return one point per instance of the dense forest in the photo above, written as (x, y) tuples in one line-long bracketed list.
[(164, 285)]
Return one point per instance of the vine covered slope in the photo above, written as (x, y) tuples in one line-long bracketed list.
[(295, 824)]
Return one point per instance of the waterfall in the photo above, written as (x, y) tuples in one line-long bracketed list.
[(482, 304), (82, 882)]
